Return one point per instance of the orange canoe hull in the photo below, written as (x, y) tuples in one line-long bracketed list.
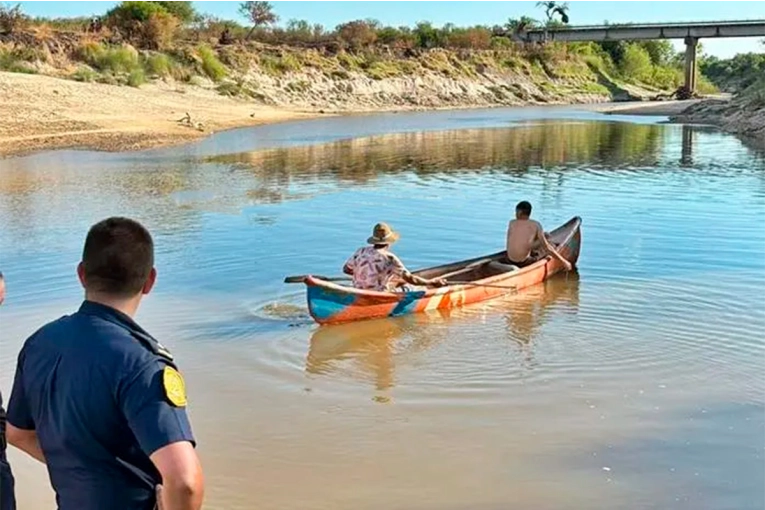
[(329, 303)]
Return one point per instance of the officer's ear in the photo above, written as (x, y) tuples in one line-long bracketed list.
[(150, 281), (81, 274)]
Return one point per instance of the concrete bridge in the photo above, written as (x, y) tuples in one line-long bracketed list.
[(690, 32)]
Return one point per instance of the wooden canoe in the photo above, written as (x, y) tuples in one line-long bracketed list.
[(330, 303)]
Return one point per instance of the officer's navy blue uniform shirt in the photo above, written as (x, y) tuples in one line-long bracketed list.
[(7, 497), (90, 384)]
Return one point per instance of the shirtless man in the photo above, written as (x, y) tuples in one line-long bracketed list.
[(525, 237)]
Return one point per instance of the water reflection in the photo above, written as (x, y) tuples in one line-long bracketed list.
[(687, 146), (515, 149), (372, 347), (529, 308)]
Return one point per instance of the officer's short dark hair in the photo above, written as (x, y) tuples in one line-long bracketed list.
[(524, 208), (118, 257)]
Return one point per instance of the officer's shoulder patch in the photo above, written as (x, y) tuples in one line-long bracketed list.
[(175, 388)]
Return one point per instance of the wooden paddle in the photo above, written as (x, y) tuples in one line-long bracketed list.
[(492, 286), (302, 278)]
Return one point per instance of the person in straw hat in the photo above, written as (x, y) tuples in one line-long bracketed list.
[(375, 267)]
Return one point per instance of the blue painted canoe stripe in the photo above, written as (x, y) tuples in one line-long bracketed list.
[(324, 304), (407, 304)]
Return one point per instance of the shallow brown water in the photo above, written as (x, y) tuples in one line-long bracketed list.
[(635, 383)]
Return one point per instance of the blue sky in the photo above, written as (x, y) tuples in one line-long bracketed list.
[(331, 14)]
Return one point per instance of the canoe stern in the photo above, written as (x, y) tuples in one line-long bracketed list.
[(329, 304)]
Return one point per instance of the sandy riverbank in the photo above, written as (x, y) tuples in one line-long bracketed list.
[(42, 113), (45, 113)]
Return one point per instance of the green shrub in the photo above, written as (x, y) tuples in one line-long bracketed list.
[(357, 34), (211, 66), (501, 43), (120, 59), (381, 70), (147, 24), (159, 65), (277, 65), (126, 14), (28, 54), (667, 78), (136, 78), (11, 62), (636, 63), (705, 86), (110, 79), (90, 52), (289, 62), (158, 32), (84, 74), (183, 11), (348, 61)]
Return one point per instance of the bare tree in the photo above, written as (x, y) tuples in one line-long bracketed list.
[(553, 8), (258, 13)]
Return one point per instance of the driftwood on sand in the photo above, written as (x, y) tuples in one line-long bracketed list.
[(186, 121)]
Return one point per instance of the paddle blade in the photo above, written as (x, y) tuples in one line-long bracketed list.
[(303, 277)]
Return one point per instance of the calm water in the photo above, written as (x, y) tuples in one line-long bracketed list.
[(636, 383)]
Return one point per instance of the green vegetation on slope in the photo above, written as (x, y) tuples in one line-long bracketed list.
[(734, 74), (138, 41)]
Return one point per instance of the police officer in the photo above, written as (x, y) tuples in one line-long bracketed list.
[(7, 494), (98, 399)]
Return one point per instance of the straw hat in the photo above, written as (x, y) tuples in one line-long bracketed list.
[(383, 234)]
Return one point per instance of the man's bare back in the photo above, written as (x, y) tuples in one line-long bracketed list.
[(527, 240), (523, 236)]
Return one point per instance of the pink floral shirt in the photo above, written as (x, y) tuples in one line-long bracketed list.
[(375, 269)]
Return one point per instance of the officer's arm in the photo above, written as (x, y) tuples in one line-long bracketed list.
[(153, 400), (20, 425), (182, 481), (25, 440)]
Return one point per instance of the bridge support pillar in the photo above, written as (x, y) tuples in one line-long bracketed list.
[(691, 45)]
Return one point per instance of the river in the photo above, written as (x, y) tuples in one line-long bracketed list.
[(636, 382)]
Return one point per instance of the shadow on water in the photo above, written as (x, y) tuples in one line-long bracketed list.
[(374, 347)]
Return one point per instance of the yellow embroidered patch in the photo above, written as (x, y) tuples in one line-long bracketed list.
[(175, 388)]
